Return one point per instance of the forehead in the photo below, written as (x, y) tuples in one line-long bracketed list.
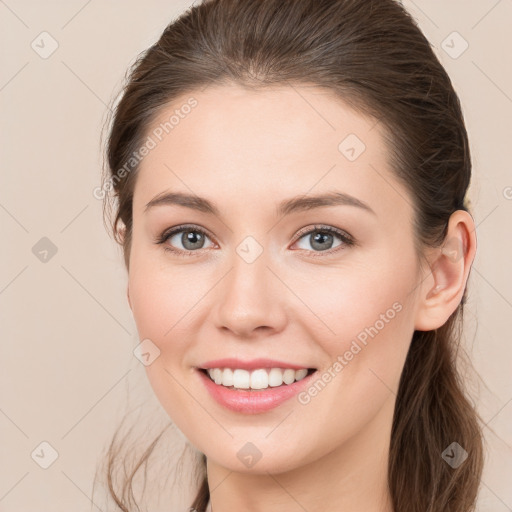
[(248, 146)]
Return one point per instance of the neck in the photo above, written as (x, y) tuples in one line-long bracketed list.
[(352, 477)]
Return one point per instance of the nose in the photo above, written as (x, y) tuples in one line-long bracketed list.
[(251, 299)]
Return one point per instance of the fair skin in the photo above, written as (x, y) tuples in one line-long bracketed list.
[(247, 151)]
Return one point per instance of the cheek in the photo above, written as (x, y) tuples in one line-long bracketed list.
[(372, 326), (366, 324), (160, 309), (159, 305), (358, 302), (158, 291), (149, 304)]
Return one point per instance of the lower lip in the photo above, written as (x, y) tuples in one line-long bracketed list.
[(253, 402)]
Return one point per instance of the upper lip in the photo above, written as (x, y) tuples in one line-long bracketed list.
[(253, 364)]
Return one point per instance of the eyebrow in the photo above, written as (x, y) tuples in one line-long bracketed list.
[(286, 207)]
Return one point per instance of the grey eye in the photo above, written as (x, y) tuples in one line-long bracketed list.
[(320, 240)]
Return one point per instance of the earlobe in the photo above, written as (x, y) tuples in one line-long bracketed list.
[(120, 230), (442, 290)]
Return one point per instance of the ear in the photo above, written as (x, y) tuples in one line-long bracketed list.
[(121, 231), (128, 296), (443, 287)]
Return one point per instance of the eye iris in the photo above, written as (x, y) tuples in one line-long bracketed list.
[(319, 238), (194, 238)]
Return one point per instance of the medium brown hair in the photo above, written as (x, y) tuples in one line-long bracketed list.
[(372, 55)]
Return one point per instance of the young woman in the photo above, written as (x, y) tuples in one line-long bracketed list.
[(288, 183)]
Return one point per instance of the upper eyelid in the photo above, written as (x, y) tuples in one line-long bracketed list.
[(178, 229), (330, 229)]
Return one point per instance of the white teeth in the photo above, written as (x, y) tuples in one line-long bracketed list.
[(289, 376), (217, 375), (241, 379), (257, 379), (300, 374), (275, 377), (227, 377)]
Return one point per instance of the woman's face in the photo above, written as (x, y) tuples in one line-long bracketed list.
[(266, 281)]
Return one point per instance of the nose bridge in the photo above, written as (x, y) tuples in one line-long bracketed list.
[(250, 297)]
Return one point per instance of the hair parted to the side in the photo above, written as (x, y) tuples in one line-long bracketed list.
[(372, 55)]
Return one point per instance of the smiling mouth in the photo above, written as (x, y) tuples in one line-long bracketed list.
[(255, 380)]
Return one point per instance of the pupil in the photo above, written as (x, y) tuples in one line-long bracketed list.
[(319, 239), (193, 238)]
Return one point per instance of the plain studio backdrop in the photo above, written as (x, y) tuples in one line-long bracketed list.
[(68, 370)]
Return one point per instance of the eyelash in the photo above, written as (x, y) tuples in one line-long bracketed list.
[(348, 240)]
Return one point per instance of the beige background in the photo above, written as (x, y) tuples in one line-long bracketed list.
[(67, 331)]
